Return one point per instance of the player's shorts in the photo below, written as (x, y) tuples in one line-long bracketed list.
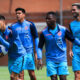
[(29, 63), (76, 62), (15, 65), (57, 68)]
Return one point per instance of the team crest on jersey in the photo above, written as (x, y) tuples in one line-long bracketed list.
[(59, 33), (26, 27)]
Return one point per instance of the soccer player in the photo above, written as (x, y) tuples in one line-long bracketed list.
[(53, 36), (75, 29), (10, 39), (27, 32)]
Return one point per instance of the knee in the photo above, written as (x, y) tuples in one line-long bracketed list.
[(14, 76), (77, 75), (11, 77), (21, 75)]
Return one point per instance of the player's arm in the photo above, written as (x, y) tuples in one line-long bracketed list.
[(2, 29), (37, 49), (71, 52), (4, 42), (35, 37), (35, 40), (40, 46), (71, 38)]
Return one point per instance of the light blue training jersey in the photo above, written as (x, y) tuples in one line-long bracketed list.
[(75, 29), (55, 43)]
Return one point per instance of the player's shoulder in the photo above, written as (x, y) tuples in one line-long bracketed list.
[(45, 29), (61, 27), (41, 32), (72, 22), (30, 22), (14, 24), (11, 26)]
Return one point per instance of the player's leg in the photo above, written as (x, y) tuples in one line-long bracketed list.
[(63, 70), (11, 77), (14, 76), (15, 67), (76, 65), (51, 70), (29, 65), (53, 77), (21, 75), (32, 74)]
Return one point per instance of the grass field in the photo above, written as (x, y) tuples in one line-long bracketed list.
[(41, 74)]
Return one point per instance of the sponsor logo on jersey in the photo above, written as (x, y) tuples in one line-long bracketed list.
[(48, 34)]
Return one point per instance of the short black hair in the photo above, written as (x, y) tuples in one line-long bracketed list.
[(51, 12), (2, 17), (76, 4), (20, 9)]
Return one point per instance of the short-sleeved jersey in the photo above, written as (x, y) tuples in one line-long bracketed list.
[(75, 29), (27, 31), (55, 44)]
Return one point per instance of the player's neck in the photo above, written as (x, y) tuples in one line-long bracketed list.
[(53, 26), (21, 20)]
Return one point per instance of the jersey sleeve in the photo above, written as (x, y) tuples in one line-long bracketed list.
[(4, 42), (70, 28), (69, 36), (41, 41), (33, 30), (7, 33)]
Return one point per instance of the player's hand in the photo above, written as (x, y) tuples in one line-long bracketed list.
[(39, 64), (71, 53)]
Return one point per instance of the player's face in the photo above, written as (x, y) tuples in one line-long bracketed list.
[(75, 11), (2, 25), (20, 15), (50, 20)]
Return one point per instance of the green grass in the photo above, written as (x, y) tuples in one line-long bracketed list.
[(41, 74)]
